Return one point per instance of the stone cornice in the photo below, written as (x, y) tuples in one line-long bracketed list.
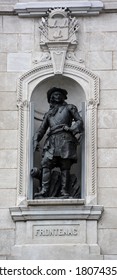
[(56, 209), (39, 9), (75, 7)]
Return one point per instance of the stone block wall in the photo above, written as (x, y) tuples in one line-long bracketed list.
[(97, 51)]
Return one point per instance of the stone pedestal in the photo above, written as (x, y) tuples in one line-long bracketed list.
[(56, 229)]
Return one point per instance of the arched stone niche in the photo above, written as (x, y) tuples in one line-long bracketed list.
[(38, 79), (40, 105)]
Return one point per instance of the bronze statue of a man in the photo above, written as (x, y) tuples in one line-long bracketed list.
[(61, 144)]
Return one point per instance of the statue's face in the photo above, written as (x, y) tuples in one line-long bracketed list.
[(57, 97)]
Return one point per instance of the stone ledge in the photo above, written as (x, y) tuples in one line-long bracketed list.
[(40, 8), (56, 211), (56, 201), (55, 252), (110, 6)]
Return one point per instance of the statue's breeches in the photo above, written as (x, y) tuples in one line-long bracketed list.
[(63, 145)]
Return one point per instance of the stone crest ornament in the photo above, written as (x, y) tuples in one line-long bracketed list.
[(58, 26), (58, 35), (57, 29)]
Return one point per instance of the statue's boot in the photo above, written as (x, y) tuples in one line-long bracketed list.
[(65, 175), (45, 182)]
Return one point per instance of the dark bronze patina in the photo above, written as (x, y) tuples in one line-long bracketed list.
[(64, 122)]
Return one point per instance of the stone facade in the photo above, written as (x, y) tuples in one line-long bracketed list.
[(25, 63)]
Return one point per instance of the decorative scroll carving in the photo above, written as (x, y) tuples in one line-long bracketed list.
[(44, 57), (71, 56)]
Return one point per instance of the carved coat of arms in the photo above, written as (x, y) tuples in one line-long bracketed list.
[(58, 29), (58, 36), (58, 26)]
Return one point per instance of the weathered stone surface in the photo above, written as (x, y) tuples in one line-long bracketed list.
[(108, 241), (9, 198), (109, 218), (96, 41), (107, 197), (110, 257), (6, 241), (8, 119), (105, 22), (53, 252), (94, 250), (8, 158), (84, 43), (91, 232), (107, 138), (8, 101), (8, 178), (8, 42), (3, 257), (6, 8), (107, 177), (114, 60), (17, 25), (108, 79), (8, 81), (107, 119), (36, 37), (99, 60), (26, 42), (107, 157), (9, 1), (0, 23), (110, 41), (17, 62), (3, 62), (108, 99), (8, 139), (5, 219), (20, 233)]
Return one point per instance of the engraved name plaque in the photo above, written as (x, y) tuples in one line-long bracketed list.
[(55, 231), (59, 233)]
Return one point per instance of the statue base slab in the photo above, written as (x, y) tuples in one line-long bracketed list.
[(56, 228)]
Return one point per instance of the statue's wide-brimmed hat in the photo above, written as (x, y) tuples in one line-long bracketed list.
[(55, 89)]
